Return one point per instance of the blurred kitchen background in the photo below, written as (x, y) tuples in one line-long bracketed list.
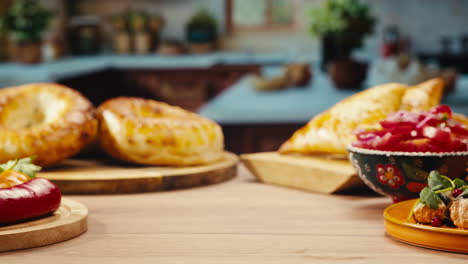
[(260, 68)]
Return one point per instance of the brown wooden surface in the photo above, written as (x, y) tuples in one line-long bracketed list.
[(240, 221), (68, 222), (102, 176), (307, 173)]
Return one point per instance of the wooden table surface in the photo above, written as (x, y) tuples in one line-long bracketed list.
[(240, 221)]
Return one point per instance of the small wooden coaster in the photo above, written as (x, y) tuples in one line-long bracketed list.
[(308, 173), (68, 222), (112, 177)]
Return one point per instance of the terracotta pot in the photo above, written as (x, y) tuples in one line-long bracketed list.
[(333, 49), (28, 53), (347, 73)]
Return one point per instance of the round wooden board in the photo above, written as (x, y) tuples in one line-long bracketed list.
[(68, 222), (112, 177)]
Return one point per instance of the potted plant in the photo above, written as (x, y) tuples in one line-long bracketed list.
[(25, 21), (202, 31), (342, 26), (121, 37), (155, 26), (138, 21)]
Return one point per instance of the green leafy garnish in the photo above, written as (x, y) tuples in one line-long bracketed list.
[(449, 189), (459, 183), (429, 198), (464, 194), (435, 194), (438, 182), (24, 165)]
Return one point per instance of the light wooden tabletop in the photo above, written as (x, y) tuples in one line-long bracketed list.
[(240, 221)]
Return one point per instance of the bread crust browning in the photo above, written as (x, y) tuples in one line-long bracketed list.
[(148, 132), (423, 96), (49, 121), (424, 215), (459, 213), (333, 130)]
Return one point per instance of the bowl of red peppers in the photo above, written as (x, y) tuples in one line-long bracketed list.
[(396, 158), (24, 197)]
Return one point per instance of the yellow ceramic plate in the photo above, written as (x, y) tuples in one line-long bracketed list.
[(399, 227)]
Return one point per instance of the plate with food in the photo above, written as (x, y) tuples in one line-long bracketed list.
[(437, 220), (32, 211), (148, 145)]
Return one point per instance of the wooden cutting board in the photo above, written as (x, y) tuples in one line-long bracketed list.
[(106, 176), (68, 222), (303, 172)]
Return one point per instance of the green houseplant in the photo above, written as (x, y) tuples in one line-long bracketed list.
[(202, 29), (25, 21), (342, 26)]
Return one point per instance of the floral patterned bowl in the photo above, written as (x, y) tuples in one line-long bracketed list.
[(402, 175)]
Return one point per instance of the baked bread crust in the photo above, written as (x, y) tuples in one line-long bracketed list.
[(423, 214), (459, 213), (148, 132), (49, 121), (423, 96), (332, 131)]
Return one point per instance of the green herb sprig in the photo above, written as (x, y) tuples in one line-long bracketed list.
[(24, 165), (437, 185), (429, 198), (438, 182), (464, 194)]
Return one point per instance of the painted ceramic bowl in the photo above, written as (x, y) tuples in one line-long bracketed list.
[(402, 175)]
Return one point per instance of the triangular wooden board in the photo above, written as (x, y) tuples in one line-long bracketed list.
[(69, 221), (308, 173), (106, 176)]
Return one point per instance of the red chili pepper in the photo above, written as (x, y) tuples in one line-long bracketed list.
[(28, 200)]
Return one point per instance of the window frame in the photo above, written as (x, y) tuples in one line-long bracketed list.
[(268, 26)]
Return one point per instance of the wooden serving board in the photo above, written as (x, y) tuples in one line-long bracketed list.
[(303, 172), (68, 222), (105, 176)]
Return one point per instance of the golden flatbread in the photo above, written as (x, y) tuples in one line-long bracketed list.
[(331, 131)]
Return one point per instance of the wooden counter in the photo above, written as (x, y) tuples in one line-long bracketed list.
[(240, 221)]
